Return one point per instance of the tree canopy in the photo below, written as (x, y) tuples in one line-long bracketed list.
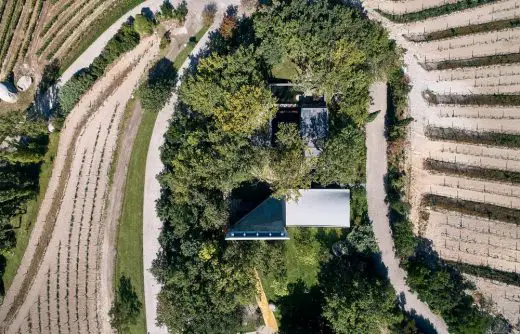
[(219, 141)]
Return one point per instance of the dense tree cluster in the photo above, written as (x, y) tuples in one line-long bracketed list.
[(218, 141), (23, 145)]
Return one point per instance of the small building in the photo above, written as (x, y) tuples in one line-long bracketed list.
[(6, 95), (314, 208), (314, 126), (309, 113)]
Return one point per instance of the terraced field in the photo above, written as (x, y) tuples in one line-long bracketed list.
[(57, 287), (464, 66), (33, 32)]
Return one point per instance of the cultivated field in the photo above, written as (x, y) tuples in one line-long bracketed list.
[(34, 32), (57, 287), (464, 67)]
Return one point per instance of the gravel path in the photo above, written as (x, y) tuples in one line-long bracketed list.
[(152, 224), (94, 50), (378, 209)]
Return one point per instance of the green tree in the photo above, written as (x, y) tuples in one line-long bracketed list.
[(143, 25), (285, 167), (157, 89), (181, 12), (357, 298), (247, 110), (125, 307), (343, 158)]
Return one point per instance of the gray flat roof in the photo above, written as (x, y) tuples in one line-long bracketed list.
[(320, 208)]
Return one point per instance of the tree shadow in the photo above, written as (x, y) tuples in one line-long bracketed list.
[(423, 325), (301, 310)]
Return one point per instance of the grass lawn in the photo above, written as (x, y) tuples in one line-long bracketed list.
[(27, 220), (285, 70), (184, 53), (129, 261), (307, 249)]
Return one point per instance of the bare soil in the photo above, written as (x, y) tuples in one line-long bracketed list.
[(459, 237), (67, 281)]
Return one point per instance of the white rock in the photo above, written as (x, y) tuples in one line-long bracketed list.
[(6, 95), (24, 83)]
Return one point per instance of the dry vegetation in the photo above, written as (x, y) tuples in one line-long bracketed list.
[(34, 32), (57, 288), (464, 67)]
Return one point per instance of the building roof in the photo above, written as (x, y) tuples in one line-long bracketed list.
[(266, 221), (319, 208), (314, 127), (313, 208)]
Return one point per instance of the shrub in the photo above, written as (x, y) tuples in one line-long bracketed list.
[(472, 208), (435, 11), (125, 40), (451, 168), (487, 272), (477, 61), (473, 137), (465, 30), (473, 99)]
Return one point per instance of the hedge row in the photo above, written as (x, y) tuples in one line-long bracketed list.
[(473, 137), (486, 272), (435, 11), (472, 208), (490, 60), (438, 284), (123, 41), (97, 27), (465, 30), (451, 168)]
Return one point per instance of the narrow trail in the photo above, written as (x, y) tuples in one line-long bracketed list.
[(378, 208)]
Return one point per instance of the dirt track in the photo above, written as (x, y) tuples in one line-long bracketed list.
[(466, 238), (378, 208), (63, 294)]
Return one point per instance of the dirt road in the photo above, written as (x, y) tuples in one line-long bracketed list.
[(113, 213), (95, 49), (57, 287), (378, 209)]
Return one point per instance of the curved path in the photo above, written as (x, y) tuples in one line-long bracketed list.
[(152, 224), (378, 208), (94, 50)]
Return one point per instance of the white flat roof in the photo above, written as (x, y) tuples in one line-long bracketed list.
[(320, 208)]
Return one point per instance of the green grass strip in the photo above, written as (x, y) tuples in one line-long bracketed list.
[(465, 30), (435, 11), (472, 208), (486, 272), (456, 169), (473, 99), (473, 137), (129, 261), (490, 60)]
